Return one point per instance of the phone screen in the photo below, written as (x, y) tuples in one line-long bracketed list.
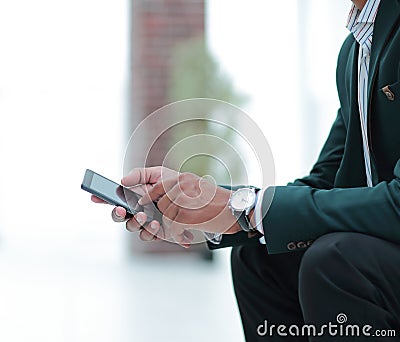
[(116, 194)]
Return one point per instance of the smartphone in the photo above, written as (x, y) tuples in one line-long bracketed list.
[(118, 195)]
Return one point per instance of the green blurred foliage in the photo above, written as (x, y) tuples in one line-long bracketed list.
[(195, 73)]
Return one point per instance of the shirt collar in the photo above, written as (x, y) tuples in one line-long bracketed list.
[(358, 20)]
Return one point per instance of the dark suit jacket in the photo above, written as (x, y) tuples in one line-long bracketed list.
[(334, 197)]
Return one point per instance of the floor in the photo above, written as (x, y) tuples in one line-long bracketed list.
[(54, 288)]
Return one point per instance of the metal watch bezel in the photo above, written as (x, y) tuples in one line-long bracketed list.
[(248, 207)]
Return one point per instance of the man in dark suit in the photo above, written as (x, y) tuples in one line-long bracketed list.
[(332, 238)]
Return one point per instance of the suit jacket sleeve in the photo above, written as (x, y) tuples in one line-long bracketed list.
[(322, 176), (301, 214)]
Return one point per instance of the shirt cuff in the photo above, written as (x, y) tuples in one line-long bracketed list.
[(214, 238), (258, 216)]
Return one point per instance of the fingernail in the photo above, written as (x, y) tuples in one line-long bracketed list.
[(140, 202), (153, 226), (140, 220)]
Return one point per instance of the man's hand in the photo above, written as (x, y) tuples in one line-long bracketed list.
[(187, 201), (142, 180)]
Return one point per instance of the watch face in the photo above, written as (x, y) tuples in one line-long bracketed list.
[(243, 199)]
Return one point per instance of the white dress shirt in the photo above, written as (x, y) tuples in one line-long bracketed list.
[(361, 24)]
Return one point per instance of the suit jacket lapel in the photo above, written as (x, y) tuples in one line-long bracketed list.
[(386, 19), (352, 74)]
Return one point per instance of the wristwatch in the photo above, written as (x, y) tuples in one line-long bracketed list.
[(240, 203)]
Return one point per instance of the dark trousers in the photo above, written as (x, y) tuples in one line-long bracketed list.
[(343, 279)]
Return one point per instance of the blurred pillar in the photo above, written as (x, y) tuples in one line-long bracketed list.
[(157, 27)]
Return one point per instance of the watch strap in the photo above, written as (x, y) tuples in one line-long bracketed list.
[(244, 222)]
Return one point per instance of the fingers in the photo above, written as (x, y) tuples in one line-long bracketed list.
[(141, 189), (158, 190), (151, 232), (135, 177), (177, 230), (142, 176), (168, 198), (95, 199), (154, 231), (177, 197), (137, 222), (118, 214), (181, 235)]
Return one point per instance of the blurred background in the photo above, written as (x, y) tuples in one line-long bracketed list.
[(76, 77)]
